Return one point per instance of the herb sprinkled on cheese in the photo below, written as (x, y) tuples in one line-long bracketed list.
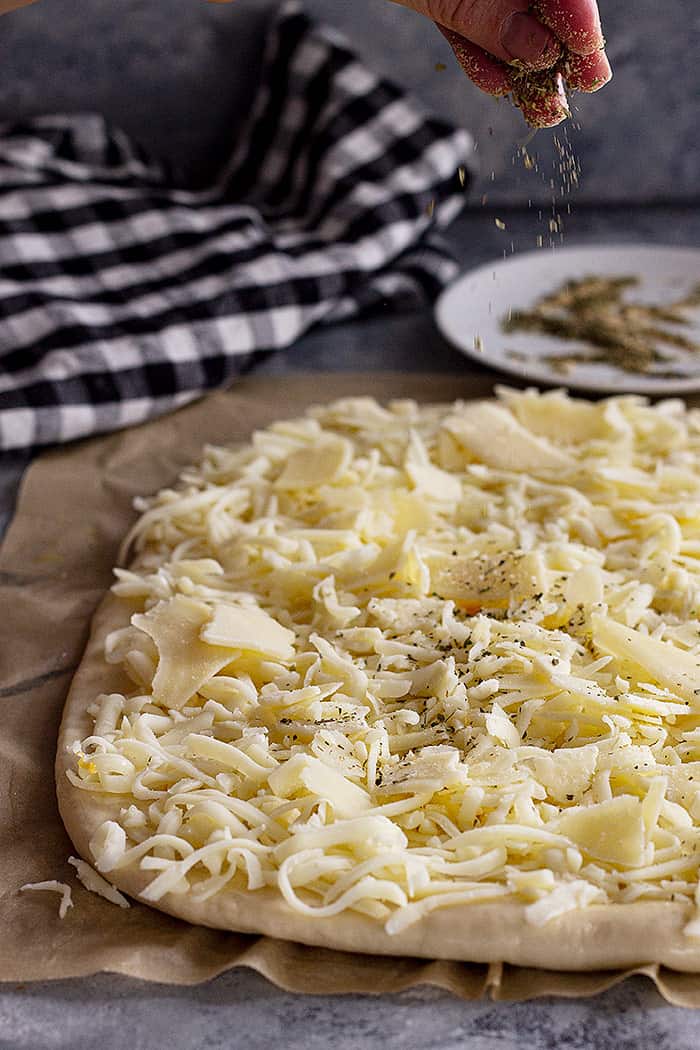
[(397, 658)]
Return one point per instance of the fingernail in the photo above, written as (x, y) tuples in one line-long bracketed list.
[(527, 40), (588, 72)]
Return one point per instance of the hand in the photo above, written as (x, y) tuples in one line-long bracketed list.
[(525, 49), (12, 5)]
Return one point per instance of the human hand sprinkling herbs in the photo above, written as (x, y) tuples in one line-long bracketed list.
[(531, 51)]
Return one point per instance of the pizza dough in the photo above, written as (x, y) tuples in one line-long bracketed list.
[(413, 681)]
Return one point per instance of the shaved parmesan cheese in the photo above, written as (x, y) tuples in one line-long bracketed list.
[(662, 662), (492, 582), (612, 831), (250, 629), (394, 659), (556, 417), (184, 661), (302, 772), (585, 586), (500, 727), (317, 465), (53, 886), (434, 483), (493, 436)]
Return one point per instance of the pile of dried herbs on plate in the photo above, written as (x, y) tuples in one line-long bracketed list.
[(593, 311)]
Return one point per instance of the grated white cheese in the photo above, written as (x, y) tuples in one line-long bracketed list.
[(96, 884), (53, 886), (393, 659)]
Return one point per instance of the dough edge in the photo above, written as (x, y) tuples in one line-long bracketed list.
[(600, 937)]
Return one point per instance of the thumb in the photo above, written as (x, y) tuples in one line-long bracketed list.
[(504, 28)]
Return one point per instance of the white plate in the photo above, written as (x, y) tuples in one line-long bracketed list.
[(469, 313)]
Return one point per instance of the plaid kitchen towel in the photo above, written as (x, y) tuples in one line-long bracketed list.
[(123, 295)]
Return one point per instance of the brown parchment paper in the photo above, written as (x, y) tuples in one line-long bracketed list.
[(74, 507)]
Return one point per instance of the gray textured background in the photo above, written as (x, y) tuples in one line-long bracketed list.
[(178, 74)]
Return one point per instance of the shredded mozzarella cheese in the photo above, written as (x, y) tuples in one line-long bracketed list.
[(96, 884), (399, 658), (53, 886)]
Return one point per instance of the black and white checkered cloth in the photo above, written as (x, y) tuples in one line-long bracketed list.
[(123, 296)]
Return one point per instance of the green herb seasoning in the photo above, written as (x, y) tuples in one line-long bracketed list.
[(540, 95), (636, 337)]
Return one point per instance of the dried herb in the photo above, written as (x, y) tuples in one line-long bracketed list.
[(540, 95), (635, 337)]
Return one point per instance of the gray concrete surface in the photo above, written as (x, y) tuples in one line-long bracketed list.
[(240, 1010)]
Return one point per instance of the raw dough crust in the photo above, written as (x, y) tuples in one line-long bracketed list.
[(599, 937)]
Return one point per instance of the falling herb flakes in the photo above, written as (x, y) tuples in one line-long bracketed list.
[(633, 336)]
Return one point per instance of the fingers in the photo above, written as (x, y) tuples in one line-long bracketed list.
[(540, 96), (575, 22), (486, 72), (527, 41), (507, 29), (587, 72), (542, 99), (504, 49)]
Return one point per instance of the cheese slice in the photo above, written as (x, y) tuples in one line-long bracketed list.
[(611, 831), (565, 420), (249, 629), (485, 581), (434, 483), (316, 465), (185, 662), (656, 661), (303, 772), (491, 435)]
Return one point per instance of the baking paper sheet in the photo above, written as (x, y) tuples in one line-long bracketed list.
[(74, 507)]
